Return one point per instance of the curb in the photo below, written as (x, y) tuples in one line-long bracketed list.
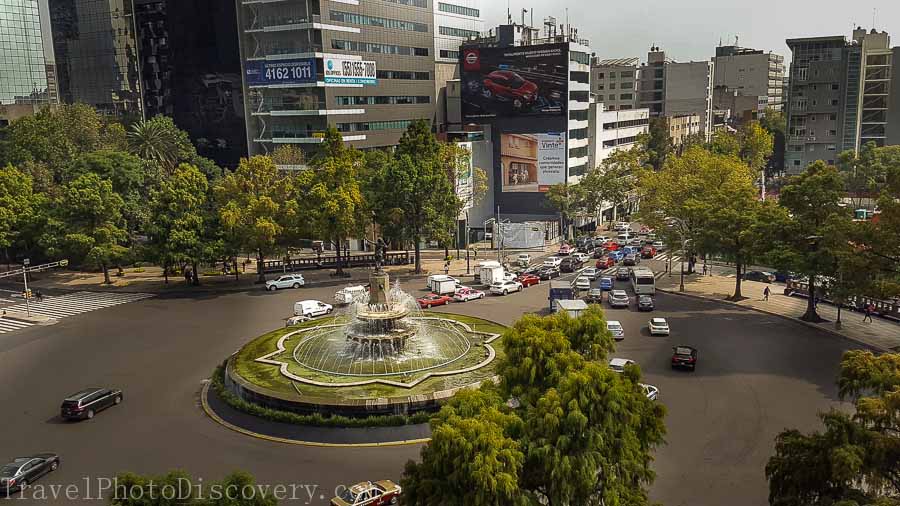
[(779, 315), (216, 418)]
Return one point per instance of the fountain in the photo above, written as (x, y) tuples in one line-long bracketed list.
[(381, 355)]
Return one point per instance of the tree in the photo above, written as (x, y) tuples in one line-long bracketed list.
[(566, 199), (255, 202), (21, 211), (775, 124), (612, 182), (332, 196), (657, 144), (90, 213), (808, 241), (127, 175), (853, 461), (177, 488), (572, 432), (288, 154), (159, 141)]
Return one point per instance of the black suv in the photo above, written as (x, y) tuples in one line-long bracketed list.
[(86, 403), (570, 264)]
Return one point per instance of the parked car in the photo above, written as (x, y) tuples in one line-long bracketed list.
[(631, 259), (552, 261), (582, 283), (570, 264), (784, 276), (606, 283), (618, 298), (23, 471), (565, 250), (617, 330), (760, 276), (618, 364), (584, 257), (658, 327), (650, 391), (524, 259), (684, 357), (286, 281), (528, 280), (594, 296), (548, 273), (432, 300), (648, 252), (605, 262), (506, 287), (369, 494), (623, 274), (591, 273), (85, 404), (509, 86), (465, 294), (312, 308), (645, 303)]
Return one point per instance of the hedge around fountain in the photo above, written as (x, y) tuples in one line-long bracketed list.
[(263, 384)]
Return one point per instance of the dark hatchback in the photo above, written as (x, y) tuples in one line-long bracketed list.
[(684, 357), (645, 303), (20, 472), (570, 264), (547, 273), (86, 403)]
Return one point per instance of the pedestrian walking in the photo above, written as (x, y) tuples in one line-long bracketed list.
[(40, 296), (704, 269), (868, 315), (766, 293)]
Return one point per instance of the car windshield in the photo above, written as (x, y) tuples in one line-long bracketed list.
[(349, 497), (8, 471), (515, 81)]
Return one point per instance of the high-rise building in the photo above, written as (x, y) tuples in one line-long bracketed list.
[(669, 88), (747, 81), (455, 22), (97, 55), (27, 75), (843, 94), (366, 68), (614, 82)]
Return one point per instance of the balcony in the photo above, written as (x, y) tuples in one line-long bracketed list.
[(296, 21), (296, 136), (285, 50)]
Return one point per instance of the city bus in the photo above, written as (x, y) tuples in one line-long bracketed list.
[(643, 281)]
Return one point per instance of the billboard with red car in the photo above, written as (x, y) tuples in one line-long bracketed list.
[(514, 81)]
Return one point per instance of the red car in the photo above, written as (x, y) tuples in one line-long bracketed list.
[(611, 245), (565, 249), (648, 252), (528, 280), (605, 263), (508, 85), (433, 299)]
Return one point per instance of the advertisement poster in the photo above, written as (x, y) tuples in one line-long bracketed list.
[(514, 81), (340, 71), (465, 180), (299, 71), (532, 163)]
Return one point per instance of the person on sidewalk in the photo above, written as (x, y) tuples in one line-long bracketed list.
[(868, 315), (704, 269), (766, 293)]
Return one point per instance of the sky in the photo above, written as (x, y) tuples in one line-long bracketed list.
[(691, 29)]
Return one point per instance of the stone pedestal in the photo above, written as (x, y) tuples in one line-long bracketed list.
[(379, 289)]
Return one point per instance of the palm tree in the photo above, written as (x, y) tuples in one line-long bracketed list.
[(153, 140)]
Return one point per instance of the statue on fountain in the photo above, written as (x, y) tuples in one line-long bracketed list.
[(380, 250)]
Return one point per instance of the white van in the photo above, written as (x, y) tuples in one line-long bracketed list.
[(349, 295), (429, 284), (624, 238), (312, 308)]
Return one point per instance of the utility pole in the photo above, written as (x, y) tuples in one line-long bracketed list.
[(26, 263), (497, 234)]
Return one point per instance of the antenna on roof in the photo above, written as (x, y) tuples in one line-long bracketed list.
[(508, 14), (874, 13)]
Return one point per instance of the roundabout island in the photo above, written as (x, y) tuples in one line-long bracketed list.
[(382, 356)]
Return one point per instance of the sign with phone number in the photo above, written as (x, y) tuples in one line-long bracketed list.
[(298, 71), (339, 71)]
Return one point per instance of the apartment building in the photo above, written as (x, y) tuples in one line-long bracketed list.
[(747, 81), (614, 130), (843, 94), (27, 73), (683, 126), (365, 68), (614, 82), (669, 88)]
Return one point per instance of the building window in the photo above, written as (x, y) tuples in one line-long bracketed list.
[(600, 75), (580, 77), (601, 87), (458, 9), (579, 115), (832, 132), (626, 86), (612, 75), (394, 24), (414, 3), (580, 96), (612, 86), (626, 123), (626, 74), (578, 133), (372, 47), (626, 96), (404, 75), (796, 163), (445, 53), (832, 117), (383, 100), (835, 87), (457, 32), (579, 57), (374, 125), (620, 141), (831, 147), (578, 152)]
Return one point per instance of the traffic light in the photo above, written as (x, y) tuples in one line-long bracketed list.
[(27, 293)]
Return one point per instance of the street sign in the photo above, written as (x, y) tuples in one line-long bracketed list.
[(26, 262), (63, 263)]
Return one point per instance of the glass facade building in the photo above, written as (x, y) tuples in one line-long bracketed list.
[(24, 67)]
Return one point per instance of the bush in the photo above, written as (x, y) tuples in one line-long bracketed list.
[(318, 420), (212, 273), (138, 270)]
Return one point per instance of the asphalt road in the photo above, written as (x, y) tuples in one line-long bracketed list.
[(756, 376)]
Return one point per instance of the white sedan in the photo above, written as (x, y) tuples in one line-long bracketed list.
[(505, 287), (465, 294), (651, 391), (618, 364), (658, 327), (584, 257), (617, 330), (583, 283), (591, 273), (552, 261), (286, 281)]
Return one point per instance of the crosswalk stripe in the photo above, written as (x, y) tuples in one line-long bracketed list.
[(69, 305)]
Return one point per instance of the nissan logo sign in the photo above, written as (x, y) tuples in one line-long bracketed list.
[(471, 57)]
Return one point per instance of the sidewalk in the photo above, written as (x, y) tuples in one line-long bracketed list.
[(881, 334)]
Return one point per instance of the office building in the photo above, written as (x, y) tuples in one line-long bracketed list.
[(669, 88), (747, 81), (614, 130), (615, 82), (366, 68), (455, 22), (27, 74), (530, 92), (681, 127), (843, 94)]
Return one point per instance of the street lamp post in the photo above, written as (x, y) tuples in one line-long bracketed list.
[(26, 263)]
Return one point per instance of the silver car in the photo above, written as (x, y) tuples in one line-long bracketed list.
[(286, 281), (618, 298)]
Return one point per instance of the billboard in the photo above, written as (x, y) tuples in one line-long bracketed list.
[(514, 81), (531, 163), (465, 180), (341, 71), (296, 71)]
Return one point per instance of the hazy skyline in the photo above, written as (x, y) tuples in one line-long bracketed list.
[(691, 29)]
